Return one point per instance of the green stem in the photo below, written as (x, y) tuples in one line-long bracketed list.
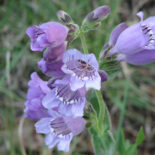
[(98, 93), (83, 41), (102, 111)]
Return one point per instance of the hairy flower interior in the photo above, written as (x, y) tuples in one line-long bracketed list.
[(37, 32), (66, 95), (59, 127), (81, 69), (149, 33)]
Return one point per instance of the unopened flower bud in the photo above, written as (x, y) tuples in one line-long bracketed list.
[(93, 20), (72, 27), (98, 14), (64, 17), (73, 32)]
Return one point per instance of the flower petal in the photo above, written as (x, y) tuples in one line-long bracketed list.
[(51, 140), (64, 144), (43, 125), (141, 58), (96, 83), (49, 101), (56, 32), (116, 32), (77, 127)]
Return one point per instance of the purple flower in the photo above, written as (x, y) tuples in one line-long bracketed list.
[(135, 44), (51, 62), (82, 68), (116, 32), (48, 34), (38, 89), (60, 130), (67, 102)]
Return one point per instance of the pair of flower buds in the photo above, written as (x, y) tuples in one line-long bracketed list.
[(58, 105)]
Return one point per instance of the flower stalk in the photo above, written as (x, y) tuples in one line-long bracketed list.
[(83, 41), (98, 93)]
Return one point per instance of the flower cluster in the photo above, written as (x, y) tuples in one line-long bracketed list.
[(58, 105)]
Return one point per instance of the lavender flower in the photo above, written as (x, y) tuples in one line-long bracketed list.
[(82, 68), (135, 44), (38, 89), (48, 34), (68, 102), (51, 62), (60, 130)]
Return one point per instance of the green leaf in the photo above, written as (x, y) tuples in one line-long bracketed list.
[(121, 143), (132, 150), (107, 120), (140, 137), (97, 142), (112, 67), (94, 102), (112, 73), (106, 64)]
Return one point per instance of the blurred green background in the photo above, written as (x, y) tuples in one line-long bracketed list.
[(17, 62)]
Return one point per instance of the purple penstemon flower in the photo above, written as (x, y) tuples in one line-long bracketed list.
[(60, 129), (134, 44), (82, 68), (68, 102), (51, 62), (37, 91), (47, 34)]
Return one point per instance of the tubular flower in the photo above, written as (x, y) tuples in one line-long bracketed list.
[(51, 62), (48, 34), (67, 101), (38, 89), (60, 130), (82, 68), (134, 44)]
